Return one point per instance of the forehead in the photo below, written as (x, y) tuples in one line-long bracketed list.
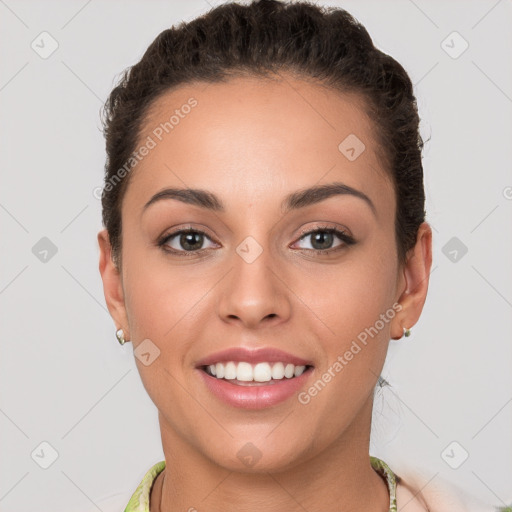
[(259, 136)]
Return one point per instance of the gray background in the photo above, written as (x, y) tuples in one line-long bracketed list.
[(64, 378)]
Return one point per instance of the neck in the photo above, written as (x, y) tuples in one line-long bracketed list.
[(338, 478)]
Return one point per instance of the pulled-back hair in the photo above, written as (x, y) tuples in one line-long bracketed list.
[(325, 45)]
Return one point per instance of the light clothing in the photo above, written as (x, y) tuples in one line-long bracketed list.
[(412, 490), (439, 495)]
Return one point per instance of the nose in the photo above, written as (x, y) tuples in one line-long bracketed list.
[(254, 293)]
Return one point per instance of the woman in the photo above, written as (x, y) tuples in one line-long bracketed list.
[(264, 239)]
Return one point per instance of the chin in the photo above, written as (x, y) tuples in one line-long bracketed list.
[(258, 457)]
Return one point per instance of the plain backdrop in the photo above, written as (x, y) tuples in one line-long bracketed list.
[(71, 397)]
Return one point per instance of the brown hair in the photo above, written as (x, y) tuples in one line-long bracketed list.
[(326, 45)]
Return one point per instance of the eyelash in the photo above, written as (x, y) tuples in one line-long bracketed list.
[(342, 235)]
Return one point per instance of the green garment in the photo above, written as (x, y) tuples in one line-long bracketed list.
[(139, 502)]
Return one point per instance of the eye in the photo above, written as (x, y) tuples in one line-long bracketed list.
[(322, 239), (184, 242), (189, 241)]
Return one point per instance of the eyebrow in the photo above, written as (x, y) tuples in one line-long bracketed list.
[(294, 201)]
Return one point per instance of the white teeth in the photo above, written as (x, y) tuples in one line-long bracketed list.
[(219, 370), (244, 372), (278, 371), (289, 371), (299, 370), (260, 372), (230, 371)]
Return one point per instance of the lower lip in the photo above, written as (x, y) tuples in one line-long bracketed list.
[(256, 396)]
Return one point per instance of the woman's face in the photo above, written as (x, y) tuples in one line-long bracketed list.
[(255, 280)]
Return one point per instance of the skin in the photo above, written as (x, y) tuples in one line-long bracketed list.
[(251, 142)]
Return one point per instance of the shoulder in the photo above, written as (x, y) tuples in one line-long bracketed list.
[(419, 493)]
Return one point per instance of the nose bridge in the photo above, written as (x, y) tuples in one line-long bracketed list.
[(253, 291)]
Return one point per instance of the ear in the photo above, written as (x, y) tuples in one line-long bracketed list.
[(112, 284), (414, 280)]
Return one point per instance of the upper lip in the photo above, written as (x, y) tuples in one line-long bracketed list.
[(253, 356)]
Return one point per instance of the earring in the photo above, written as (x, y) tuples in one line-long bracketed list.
[(120, 336), (407, 332)]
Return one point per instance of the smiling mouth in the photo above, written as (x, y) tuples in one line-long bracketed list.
[(246, 374)]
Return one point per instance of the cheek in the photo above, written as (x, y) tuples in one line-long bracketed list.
[(354, 304), (348, 303), (157, 293), (350, 296)]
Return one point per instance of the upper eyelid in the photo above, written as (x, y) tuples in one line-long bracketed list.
[(328, 227), (339, 233), (173, 234)]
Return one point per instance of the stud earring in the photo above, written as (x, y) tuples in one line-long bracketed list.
[(120, 336), (407, 332)]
